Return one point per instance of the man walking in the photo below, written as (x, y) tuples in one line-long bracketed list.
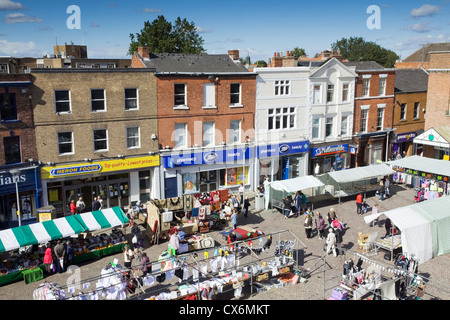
[(359, 203)]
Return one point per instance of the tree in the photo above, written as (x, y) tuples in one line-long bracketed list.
[(161, 36), (261, 64), (357, 49), (298, 52)]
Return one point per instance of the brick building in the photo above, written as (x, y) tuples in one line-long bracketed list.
[(410, 108), (373, 112), (206, 110), (17, 151), (421, 58), (96, 134)]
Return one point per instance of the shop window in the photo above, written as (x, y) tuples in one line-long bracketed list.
[(8, 110), (131, 99), (62, 101), (100, 140), (190, 183), (12, 149), (98, 100), (144, 186)]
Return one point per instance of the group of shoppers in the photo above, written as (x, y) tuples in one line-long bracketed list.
[(57, 257)]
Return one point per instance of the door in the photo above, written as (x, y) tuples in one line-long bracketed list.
[(170, 189)]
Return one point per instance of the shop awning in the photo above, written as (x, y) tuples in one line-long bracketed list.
[(296, 184), (43, 232), (425, 227), (423, 164), (361, 173), (436, 137)]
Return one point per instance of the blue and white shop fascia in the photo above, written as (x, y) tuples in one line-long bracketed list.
[(195, 170), (282, 161)]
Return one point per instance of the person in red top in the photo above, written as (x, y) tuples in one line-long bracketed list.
[(48, 259), (73, 207), (359, 202)]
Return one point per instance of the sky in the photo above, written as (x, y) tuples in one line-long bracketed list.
[(258, 28)]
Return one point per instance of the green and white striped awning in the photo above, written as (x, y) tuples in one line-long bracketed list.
[(42, 232)]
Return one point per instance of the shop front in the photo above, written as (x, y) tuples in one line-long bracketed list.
[(29, 189), (118, 182), (329, 158), (403, 142), (282, 161), (190, 172)]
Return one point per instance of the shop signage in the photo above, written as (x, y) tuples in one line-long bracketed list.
[(207, 157), (49, 172), (405, 137), (352, 150), (323, 151), (25, 181), (273, 150)]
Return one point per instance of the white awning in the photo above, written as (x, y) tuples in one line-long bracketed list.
[(423, 164), (361, 173), (435, 137), (296, 184)]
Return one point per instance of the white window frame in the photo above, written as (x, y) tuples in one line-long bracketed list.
[(383, 78), (177, 134), (71, 143), (209, 133), (130, 99), (97, 140), (317, 95), (282, 87), (401, 109), (364, 110), (366, 79), (332, 93), (416, 115), (56, 101), (184, 95), (347, 91), (209, 96), (332, 127), (239, 94), (104, 100), (291, 114), (4, 68), (344, 130), (381, 107), (314, 125), (138, 137), (235, 132)]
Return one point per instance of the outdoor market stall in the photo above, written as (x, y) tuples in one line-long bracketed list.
[(424, 227)]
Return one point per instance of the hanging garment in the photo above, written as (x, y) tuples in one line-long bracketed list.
[(187, 203), (204, 269), (202, 213), (148, 280), (186, 273), (195, 274)]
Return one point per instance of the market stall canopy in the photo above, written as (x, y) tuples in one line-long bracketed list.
[(361, 173), (436, 137), (425, 227), (423, 164), (296, 184), (43, 232)]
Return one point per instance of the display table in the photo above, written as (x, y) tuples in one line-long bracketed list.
[(32, 275), (97, 254), (16, 276), (390, 244)]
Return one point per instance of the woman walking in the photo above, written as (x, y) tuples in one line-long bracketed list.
[(48, 259), (308, 226), (321, 226)]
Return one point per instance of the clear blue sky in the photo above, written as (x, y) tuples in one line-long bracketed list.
[(258, 28)]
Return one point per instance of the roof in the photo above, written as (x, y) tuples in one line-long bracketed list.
[(436, 137), (423, 54), (361, 173), (364, 65), (411, 80), (423, 164), (193, 63)]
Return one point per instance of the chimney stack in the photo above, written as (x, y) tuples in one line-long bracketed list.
[(234, 54), (144, 52)]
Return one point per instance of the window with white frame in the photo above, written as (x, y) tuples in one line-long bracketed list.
[(180, 135), (282, 87), (345, 91), (100, 140), (62, 101), (180, 94), (131, 99), (382, 89), (65, 143), (317, 98), (209, 95), (403, 111), (366, 87), (98, 100), (208, 133), (4, 68), (328, 127), (235, 94), (364, 118), (133, 138), (281, 118), (416, 110), (380, 119), (344, 125), (330, 93), (316, 128), (235, 131)]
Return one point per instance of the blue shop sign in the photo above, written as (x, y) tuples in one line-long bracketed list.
[(206, 157), (281, 149), (27, 181), (327, 150)]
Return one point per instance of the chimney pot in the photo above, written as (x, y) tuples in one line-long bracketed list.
[(234, 54), (144, 52)]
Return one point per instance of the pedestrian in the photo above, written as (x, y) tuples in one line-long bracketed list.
[(60, 253), (331, 216), (298, 203), (386, 187), (128, 256), (308, 226), (287, 206), (80, 205), (174, 243), (48, 259), (374, 212), (136, 232), (317, 169), (246, 206), (331, 242), (304, 201), (359, 203), (100, 200), (339, 239), (69, 253), (145, 262), (234, 216), (95, 204), (321, 225), (241, 192), (381, 189), (73, 207), (266, 183), (404, 154), (387, 226), (207, 293)]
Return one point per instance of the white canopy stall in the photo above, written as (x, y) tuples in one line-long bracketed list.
[(423, 164)]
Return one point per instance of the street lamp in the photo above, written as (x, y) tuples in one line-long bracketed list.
[(15, 174)]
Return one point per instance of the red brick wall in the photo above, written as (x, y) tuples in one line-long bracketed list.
[(196, 115), (136, 62)]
